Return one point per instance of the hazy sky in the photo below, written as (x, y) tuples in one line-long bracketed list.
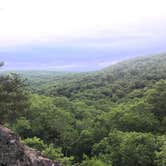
[(79, 35)]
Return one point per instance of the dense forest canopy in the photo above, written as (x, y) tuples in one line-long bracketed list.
[(116, 116)]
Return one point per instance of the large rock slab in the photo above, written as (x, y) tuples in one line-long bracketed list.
[(14, 153)]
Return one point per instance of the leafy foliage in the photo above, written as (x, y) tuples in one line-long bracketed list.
[(116, 116), (13, 98), (48, 150)]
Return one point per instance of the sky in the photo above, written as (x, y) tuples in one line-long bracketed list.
[(79, 35)]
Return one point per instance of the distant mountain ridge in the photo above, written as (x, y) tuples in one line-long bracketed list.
[(136, 73)]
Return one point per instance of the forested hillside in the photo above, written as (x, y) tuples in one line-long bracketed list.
[(112, 117), (40, 81)]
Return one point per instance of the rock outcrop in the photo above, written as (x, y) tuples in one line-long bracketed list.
[(14, 153)]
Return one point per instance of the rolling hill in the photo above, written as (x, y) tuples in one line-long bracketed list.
[(112, 117)]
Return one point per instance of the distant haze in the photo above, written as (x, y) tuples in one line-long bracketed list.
[(79, 35)]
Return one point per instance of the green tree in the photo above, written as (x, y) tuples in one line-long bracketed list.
[(22, 127), (13, 98), (48, 150), (156, 97), (128, 148), (161, 152), (93, 162)]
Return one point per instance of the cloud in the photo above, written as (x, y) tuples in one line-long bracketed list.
[(63, 67), (79, 35), (26, 22), (107, 63)]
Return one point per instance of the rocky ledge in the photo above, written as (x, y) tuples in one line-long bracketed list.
[(14, 153)]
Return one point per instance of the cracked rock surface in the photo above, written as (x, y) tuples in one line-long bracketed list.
[(14, 153)]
